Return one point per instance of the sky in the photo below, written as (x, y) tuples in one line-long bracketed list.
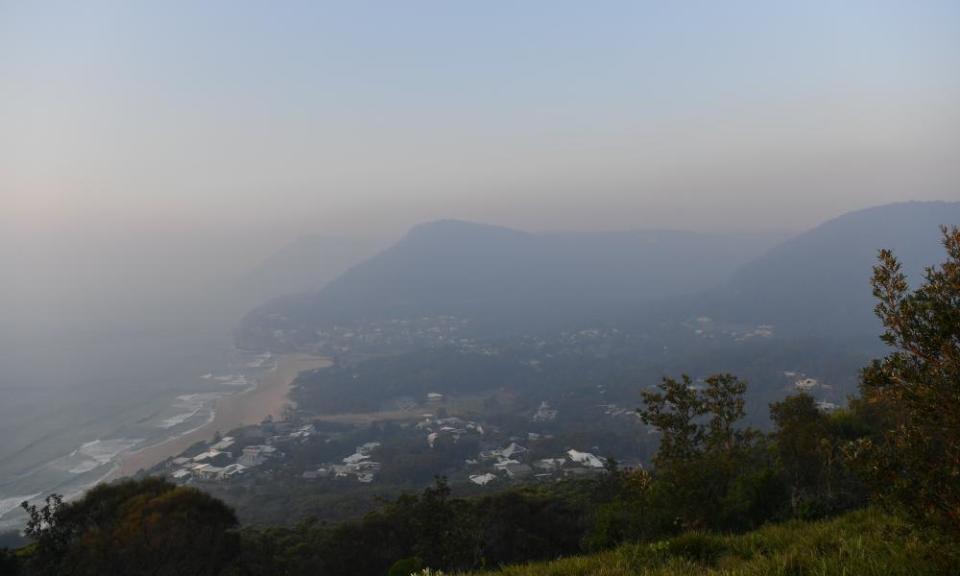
[(244, 123)]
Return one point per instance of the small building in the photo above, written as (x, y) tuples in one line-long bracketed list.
[(207, 472), (825, 406), (255, 455), (482, 479), (545, 413), (805, 384), (206, 455), (223, 444), (586, 459), (232, 470), (181, 475)]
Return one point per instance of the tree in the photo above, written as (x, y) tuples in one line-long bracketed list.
[(674, 412), (443, 538), (694, 421), (133, 527), (709, 472), (799, 429), (917, 463), (810, 448)]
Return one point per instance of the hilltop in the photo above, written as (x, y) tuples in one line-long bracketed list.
[(865, 542), (504, 281)]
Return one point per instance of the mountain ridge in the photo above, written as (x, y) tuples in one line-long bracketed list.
[(814, 283)]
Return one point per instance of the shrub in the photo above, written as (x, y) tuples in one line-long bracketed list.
[(405, 567), (700, 547)]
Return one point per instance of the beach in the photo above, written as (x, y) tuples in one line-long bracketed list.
[(232, 411)]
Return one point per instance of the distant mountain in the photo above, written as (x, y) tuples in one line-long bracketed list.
[(305, 265), (818, 283), (508, 279)]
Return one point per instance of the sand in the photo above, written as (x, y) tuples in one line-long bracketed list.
[(232, 411)]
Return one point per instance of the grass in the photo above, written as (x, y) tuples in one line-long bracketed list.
[(862, 543)]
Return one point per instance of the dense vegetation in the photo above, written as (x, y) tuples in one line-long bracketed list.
[(861, 543), (714, 478)]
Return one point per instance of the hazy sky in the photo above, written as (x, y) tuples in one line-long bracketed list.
[(278, 118)]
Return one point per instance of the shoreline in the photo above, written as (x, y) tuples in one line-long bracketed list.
[(231, 411)]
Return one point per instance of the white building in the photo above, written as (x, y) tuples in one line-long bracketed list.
[(483, 479), (586, 459)]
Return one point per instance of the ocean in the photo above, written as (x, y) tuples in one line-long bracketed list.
[(92, 367)]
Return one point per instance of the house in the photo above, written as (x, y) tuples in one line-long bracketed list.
[(368, 466), (513, 449), (255, 455), (205, 455), (355, 458), (362, 453), (482, 479), (181, 475), (214, 457), (545, 413), (223, 444), (805, 384), (231, 470), (585, 459), (207, 472), (303, 432)]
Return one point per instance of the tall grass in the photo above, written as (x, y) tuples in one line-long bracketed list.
[(862, 543)]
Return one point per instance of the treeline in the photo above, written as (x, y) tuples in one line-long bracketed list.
[(899, 444)]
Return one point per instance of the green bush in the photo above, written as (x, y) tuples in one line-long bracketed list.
[(405, 567), (700, 547)]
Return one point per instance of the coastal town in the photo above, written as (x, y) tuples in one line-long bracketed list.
[(491, 440), (273, 447)]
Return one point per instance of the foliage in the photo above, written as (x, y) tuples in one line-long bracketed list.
[(629, 515), (709, 472), (810, 447), (442, 531), (917, 463), (865, 543), (9, 563), (697, 420), (405, 567), (132, 527)]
